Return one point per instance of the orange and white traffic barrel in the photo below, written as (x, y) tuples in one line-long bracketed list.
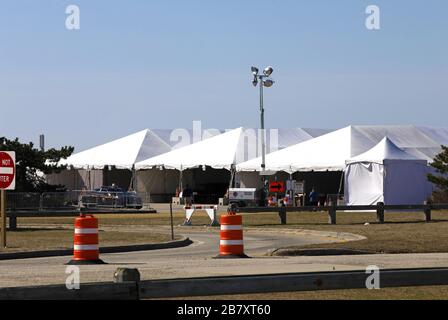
[(86, 244), (231, 244)]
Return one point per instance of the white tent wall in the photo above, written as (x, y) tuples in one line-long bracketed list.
[(160, 184), (92, 178), (405, 182), (394, 183), (77, 179), (67, 178), (386, 173), (363, 184)]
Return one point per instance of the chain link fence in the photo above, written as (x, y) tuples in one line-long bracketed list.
[(74, 200)]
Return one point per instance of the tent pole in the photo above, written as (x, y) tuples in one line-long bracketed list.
[(291, 191), (133, 179), (90, 178), (180, 179), (340, 182), (164, 180), (232, 176)]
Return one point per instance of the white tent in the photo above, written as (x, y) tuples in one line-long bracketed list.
[(276, 138), (218, 152), (326, 152), (122, 153), (386, 174)]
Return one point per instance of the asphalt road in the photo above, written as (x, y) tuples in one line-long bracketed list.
[(197, 260), (194, 260)]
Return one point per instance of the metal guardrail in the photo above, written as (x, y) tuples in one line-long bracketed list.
[(379, 208), (218, 285)]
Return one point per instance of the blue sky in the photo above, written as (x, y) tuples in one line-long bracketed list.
[(162, 64)]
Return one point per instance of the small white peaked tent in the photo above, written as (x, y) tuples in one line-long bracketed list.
[(386, 174), (122, 153), (326, 152)]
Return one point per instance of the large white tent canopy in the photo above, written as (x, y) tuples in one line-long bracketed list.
[(229, 148), (386, 174), (327, 152), (122, 153), (422, 142), (290, 150), (276, 138), (218, 152)]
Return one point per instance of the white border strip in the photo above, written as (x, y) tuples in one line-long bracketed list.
[(6, 170), (231, 242), (81, 247), (86, 230), (225, 227)]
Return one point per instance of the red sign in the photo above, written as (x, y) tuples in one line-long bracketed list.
[(277, 186), (7, 170)]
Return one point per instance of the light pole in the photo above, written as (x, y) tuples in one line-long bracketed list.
[(263, 80)]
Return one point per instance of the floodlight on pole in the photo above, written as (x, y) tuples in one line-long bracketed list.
[(264, 81), (254, 71), (268, 71), (255, 81), (268, 83)]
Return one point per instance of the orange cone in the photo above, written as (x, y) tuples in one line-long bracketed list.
[(86, 248), (231, 243)]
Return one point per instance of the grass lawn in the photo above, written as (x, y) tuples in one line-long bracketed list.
[(402, 293), (28, 239), (403, 232)]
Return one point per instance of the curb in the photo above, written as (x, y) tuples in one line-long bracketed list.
[(341, 236), (290, 252), (116, 249)]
